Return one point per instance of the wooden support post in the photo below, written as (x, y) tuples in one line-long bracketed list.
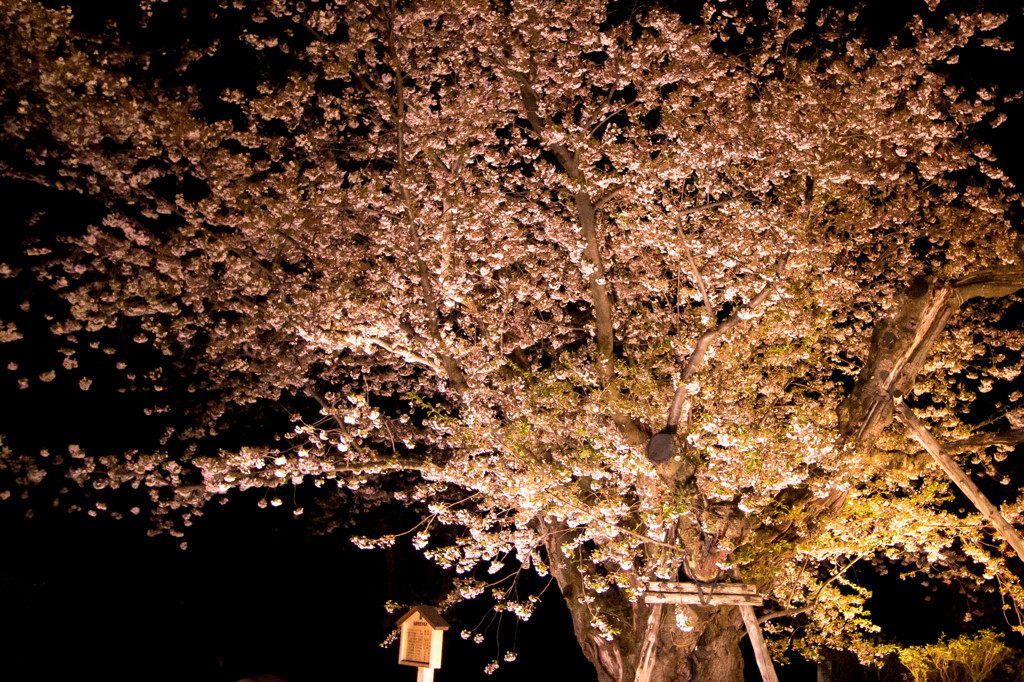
[(764, 661), (424, 675), (961, 479)]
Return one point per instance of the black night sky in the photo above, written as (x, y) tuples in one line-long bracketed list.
[(258, 590)]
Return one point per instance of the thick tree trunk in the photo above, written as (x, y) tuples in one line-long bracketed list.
[(709, 652)]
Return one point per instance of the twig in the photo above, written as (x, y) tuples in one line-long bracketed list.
[(328, 411), (610, 116), (594, 517), (814, 602), (704, 207), (607, 196)]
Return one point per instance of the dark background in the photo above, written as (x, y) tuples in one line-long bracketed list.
[(89, 598)]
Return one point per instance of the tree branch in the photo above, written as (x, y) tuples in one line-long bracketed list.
[(992, 283), (681, 400), (693, 267), (327, 409), (597, 519), (607, 196), (704, 207), (407, 355), (384, 466), (585, 213), (610, 116), (983, 440), (648, 650), (451, 367), (814, 602)]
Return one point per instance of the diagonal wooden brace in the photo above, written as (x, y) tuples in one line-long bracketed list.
[(920, 432)]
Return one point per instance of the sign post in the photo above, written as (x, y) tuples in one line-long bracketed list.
[(421, 640)]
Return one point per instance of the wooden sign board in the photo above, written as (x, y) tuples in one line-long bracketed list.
[(421, 638), (719, 594)]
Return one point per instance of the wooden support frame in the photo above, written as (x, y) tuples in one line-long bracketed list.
[(764, 661), (962, 481), (718, 594), (695, 599), (692, 588)]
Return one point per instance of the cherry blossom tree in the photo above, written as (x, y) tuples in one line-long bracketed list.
[(611, 293)]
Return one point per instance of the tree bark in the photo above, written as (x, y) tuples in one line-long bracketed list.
[(900, 346), (708, 653)]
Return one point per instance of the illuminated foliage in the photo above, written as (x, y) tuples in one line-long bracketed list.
[(971, 658)]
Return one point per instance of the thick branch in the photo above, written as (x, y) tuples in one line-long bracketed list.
[(598, 289), (962, 480), (994, 283), (1011, 437), (900, 345), (566, 158), (649, 648), (451, 367), (585, 214), (680, 400), (611, 659)]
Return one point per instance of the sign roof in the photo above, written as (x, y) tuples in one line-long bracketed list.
[(429, 614)]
